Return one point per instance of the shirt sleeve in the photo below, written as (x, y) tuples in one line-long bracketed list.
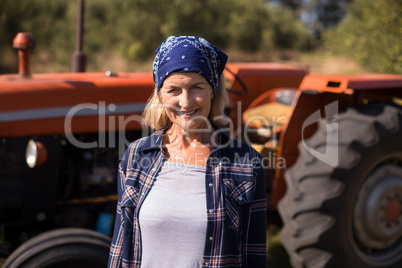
[(255, 253), (115, 253)]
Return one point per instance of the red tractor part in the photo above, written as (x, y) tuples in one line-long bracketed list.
[(24, 42)]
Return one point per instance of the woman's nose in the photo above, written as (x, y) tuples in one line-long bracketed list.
[(185, 100)]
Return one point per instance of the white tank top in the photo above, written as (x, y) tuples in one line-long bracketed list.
[(173, 218)]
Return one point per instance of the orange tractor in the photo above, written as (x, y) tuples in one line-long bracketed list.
[(331, 145), (61, 138), (337, 146)]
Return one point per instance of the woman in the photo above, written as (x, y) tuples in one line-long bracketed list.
[(189, 195)]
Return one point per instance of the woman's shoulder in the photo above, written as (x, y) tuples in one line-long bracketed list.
[(135, 147), (137, 143), (239, 147), (147, 142)]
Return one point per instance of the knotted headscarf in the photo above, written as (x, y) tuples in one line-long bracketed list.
[(188, 54)]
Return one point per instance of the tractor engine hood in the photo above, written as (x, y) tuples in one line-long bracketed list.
[(42, 103)]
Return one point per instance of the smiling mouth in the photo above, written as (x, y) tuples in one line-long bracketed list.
[(188, 113)]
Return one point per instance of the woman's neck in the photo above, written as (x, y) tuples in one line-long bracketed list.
[(181, 138)]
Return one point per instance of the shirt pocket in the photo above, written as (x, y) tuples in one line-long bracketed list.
[(238, 192)]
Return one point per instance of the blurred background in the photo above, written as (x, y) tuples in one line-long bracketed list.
[(326, 36), (329, 36)]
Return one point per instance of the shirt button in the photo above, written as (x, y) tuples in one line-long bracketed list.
[(240, 198), (211, 238), (206, 264), (210, 210), (211, 184)]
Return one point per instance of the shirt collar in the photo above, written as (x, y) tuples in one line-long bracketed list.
[(154, 141)]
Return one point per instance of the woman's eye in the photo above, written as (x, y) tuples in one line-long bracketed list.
[(173, 90)]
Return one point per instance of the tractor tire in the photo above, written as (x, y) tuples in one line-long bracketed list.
[(62, 248), (347, 215)]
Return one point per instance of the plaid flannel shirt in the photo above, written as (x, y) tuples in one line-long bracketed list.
[(236, 203)]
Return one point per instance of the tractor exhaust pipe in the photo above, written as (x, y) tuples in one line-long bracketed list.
[(79, 57), (24, 42)]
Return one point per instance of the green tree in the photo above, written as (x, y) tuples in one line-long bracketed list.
[(287, 30), (207, 18), (139, 26), (317, 14), (133, 29), (47, 20), (324, 14), (371, 33), (247, 24)]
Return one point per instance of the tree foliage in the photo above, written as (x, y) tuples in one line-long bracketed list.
[(319, 15), (50, 24), (325, 14), (287, 30), (371, 33), (135, 28)]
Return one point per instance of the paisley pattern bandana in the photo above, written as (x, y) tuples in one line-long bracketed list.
[(188, 54)]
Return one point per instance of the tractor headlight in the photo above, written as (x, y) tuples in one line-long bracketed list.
[(35, 154)]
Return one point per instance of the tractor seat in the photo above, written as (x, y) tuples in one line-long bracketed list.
[(270, 115)]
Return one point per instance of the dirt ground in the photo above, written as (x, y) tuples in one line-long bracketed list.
[(318, 61), (333, 65)]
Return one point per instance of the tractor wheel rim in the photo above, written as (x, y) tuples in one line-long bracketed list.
[(377, 216)]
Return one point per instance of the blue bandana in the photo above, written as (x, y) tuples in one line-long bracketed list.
[(188, 54)]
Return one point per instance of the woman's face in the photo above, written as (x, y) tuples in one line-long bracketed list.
[(187, 99)]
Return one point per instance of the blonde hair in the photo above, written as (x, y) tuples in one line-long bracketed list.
[(155, 115)]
